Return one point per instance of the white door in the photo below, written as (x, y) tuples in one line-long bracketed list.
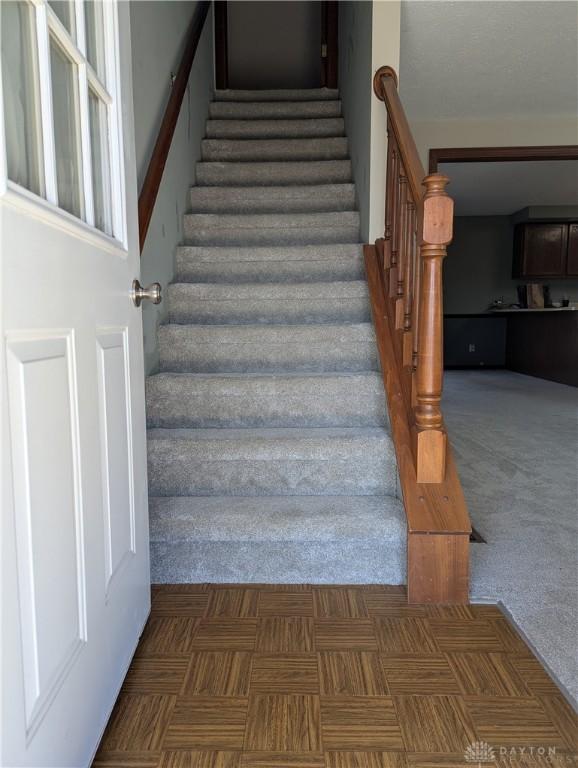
[(74, 531)]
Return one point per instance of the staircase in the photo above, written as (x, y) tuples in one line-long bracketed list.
[(270, 456)]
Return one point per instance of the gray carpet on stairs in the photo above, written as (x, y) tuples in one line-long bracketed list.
[(270, 457), (274, 173), (275, 129)]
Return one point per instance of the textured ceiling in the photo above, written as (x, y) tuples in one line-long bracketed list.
[(499, 189), (484, 59)]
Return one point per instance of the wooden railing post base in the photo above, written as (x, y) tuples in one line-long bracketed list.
[(438, 568), (430, 455)]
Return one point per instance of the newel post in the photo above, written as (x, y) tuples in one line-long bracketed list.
[(437, 234)]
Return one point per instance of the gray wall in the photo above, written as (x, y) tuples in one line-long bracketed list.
[(274, 44), (355, 33), (478, 268), (158, 36)]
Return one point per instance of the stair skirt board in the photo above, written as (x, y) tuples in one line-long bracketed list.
[(269, 452)]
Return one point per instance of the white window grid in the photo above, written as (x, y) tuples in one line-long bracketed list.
[(48, 26)]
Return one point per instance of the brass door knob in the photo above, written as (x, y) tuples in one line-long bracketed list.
[(152, 293)]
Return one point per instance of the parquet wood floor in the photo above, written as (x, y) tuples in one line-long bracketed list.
[(299, 676)]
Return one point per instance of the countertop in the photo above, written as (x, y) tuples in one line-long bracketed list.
[(543, 309)]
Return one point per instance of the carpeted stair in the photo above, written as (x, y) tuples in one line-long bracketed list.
[(270, 458)]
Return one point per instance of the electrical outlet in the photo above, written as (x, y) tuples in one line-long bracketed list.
[(471, 347)]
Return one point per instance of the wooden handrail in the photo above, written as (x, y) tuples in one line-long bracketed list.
[(385, 88), (418, 228), (156, 167), (405, 280)]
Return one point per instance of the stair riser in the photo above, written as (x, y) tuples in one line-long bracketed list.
[(277, 94), (271, 272), (336, 197), (333, 401), (293, 229), (273, 174), (175, 469), (274, 110), (249, 349), (306, 519), (341, 251), (363, 562), (275, 129), (261, 358), (269, 236), (265, 150), (339, 310)]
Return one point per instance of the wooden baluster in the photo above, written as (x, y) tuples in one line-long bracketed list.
[(394, 250), (437, 234), (416, 301), (389, 187), (403, 248), (391, 152), (408, 299)]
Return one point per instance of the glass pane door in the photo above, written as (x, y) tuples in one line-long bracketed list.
[(94, 23), (65, 110), (65, 11), (99, 141), (23, 127), (62, 117)]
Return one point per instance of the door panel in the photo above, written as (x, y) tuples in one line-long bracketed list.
[(74, 523), (46, 461), (116, 443)]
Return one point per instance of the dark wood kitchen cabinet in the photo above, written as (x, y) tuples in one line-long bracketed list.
[(545, 250), (572, 262)]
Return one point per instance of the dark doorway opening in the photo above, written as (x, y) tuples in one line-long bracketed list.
[(279, 44)]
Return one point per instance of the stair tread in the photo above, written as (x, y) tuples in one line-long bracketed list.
[(176, 399), (267, 349), (271, 129), (284, 109), (272, 334), (259, 150), (300, 221), (329, 436), (279, 302), (279, 291), (273, 173), (276, 518), (297, 190), (270, 252), (275, 164), (204, 379), (260, 265), (276, 94), (261, 199), (271, 461), (282, 141)]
